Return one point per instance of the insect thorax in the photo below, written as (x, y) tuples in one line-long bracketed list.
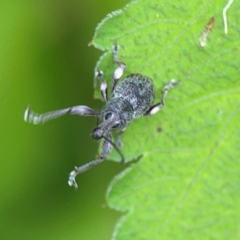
[(121, 107)]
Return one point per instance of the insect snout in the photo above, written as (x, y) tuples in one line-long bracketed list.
[(97, 133)]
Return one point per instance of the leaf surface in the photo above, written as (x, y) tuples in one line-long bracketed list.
[(186, 183)]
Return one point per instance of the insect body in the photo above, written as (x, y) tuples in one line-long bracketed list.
[(130, 99)]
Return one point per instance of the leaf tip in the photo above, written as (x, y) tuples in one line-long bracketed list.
[(91, 43)]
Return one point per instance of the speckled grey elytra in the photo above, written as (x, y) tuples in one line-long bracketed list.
[(130, 99)]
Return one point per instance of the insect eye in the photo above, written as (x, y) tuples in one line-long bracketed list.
[(116, 125), (108, 116)]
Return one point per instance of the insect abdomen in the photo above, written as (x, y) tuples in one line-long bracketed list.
[(138, 90)]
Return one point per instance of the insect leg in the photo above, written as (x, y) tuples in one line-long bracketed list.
[(106, 149), (121, 66), (35, 118), (116, 148), (103, 85), (157, 107), (118, 141)]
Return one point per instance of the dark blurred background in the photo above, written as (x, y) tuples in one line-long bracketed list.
[(45, 62)]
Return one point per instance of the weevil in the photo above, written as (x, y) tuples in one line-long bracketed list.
[(130, 99)]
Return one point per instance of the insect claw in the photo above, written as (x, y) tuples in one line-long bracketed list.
[(26, 114), (71, 179), (31, 117)]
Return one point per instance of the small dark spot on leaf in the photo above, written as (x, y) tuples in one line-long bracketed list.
[(159, 129)]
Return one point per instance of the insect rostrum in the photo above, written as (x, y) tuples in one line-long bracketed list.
[(130, 99)]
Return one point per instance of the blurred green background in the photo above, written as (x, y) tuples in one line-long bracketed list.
[(45, 62)]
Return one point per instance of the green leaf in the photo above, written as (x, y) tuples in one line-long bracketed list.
[(186, 183)]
